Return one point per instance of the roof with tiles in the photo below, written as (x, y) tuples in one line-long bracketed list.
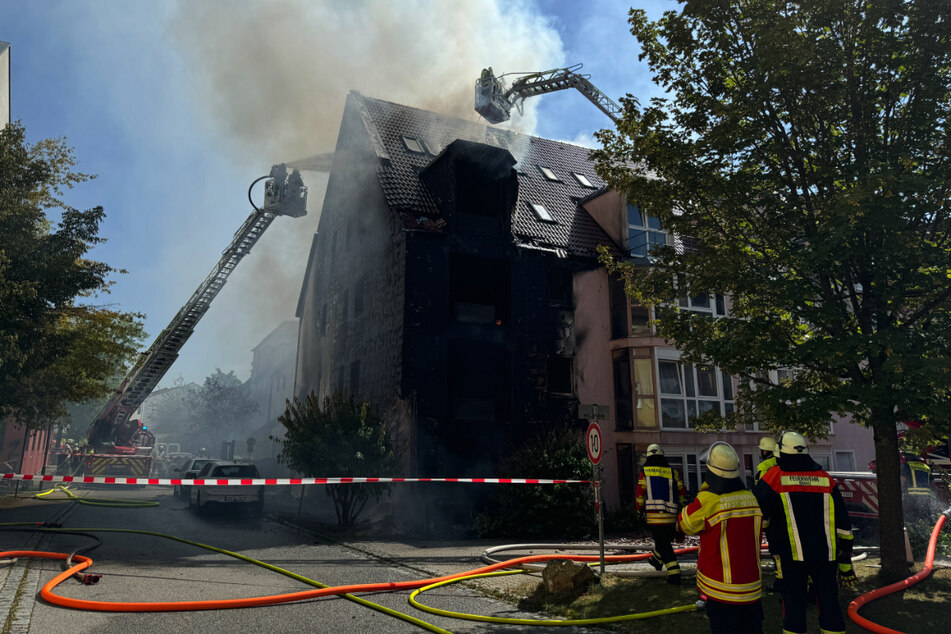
[(410, 139)]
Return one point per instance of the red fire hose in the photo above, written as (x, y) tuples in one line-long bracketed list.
[(857, 604)]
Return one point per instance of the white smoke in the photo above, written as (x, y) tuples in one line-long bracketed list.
[(272, 77)]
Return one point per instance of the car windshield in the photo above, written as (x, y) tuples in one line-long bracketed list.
[(198, 464), (236, 471)]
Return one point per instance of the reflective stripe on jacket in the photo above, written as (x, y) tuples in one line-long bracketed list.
[(919, 481), (764, 466), (805, 513), (660, 493), (730, 527)]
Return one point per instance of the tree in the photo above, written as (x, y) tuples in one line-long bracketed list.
[(805, 147), (339, 437), (221, 409), (55, 346)]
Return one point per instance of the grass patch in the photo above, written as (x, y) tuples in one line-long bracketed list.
[(919, 609)]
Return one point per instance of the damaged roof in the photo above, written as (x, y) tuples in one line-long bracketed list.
[(408, 139)]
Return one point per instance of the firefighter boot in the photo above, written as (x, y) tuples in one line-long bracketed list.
[(655, 561), (673, 573)]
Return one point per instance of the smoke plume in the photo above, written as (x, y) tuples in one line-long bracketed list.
[(272, 78)]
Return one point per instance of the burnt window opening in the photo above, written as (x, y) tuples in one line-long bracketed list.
[(478, 380), (542, 213), (548, 173), (358, 298), (559, 287), (558, 372), (355, 377), (623, 393), (479, 290), (478, 194)]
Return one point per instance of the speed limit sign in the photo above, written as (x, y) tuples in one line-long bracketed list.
[(594, 443)]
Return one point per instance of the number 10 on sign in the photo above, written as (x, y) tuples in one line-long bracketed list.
[(594, 443)]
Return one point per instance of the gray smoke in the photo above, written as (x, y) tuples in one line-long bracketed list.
[(272, 78)]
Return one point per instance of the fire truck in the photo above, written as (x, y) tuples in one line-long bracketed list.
[(122, 446)]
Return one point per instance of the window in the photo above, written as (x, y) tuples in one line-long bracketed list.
[(413, 145), (640, 320), (559, 375), (547, 173), (618, 299), (541, 212), (688, 391), (623, 396), (559, 287), (823, 460), (581, 178), (702, 301), (844, 461), (643, 232)]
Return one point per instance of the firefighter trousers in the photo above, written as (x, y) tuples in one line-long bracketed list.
[(825, 577), (735, 618), (663, 555)]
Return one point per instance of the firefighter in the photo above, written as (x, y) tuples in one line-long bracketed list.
[(920, 500), (809, 529), (767, 456), (660, 494), (729, 521)]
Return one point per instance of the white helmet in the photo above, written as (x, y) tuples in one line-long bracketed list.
[(722, 460), (792, 442), (766, 443), (655, 450)]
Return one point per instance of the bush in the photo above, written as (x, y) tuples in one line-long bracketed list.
[(919, 534), (625, 521), (543, 511)]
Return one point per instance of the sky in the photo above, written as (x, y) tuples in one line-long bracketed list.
[(178, 105)]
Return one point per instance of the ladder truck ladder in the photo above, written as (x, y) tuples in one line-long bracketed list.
[(281, 198)]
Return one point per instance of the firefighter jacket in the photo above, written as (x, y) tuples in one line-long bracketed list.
[(730, 524), (764, 466), (660, 492), (917, 478), (805, 516)]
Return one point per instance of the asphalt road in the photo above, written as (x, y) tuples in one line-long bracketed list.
[(144, 568)]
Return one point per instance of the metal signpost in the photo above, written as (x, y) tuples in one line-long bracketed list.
[(593, 440)]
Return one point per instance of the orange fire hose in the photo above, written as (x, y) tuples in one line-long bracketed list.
[(857, 604), (220, 604)]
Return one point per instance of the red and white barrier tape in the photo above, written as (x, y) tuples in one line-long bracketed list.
[(268, 481)]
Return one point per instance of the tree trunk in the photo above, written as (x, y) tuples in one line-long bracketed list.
[(890, 518)]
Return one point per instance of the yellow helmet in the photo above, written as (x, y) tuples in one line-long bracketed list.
[(766, 443), (723, 461), (792, 442), (655, 450)]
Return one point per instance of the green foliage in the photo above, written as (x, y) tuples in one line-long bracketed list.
[(338, 438), (625, 520), (55, 347), (919, 535), (804, 146), (560, 511)]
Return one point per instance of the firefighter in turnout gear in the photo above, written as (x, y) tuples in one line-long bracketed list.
[(767, 455), (919, 500), (808, 527), (730, 524), (660, 494)]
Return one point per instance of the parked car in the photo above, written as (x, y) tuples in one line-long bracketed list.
[(251, 496), (188, 471)]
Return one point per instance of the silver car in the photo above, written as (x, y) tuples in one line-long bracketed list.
[(251, 496)]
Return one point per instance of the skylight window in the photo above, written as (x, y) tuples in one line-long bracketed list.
[(413, 145), (583, 180), (546, 171), (541, 212)]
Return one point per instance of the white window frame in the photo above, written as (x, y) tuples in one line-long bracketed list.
[(650, 233), (835, 458), (583, 180), (548, 173), (542, 213), (722, 404)]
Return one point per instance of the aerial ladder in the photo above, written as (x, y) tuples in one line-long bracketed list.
[(120, 446), (494, 101)]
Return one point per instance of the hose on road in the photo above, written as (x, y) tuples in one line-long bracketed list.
[(118, 503)]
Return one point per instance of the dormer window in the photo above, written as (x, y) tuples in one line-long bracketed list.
[(581, 178), (542, 213), (644, 232), (547, 173)]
